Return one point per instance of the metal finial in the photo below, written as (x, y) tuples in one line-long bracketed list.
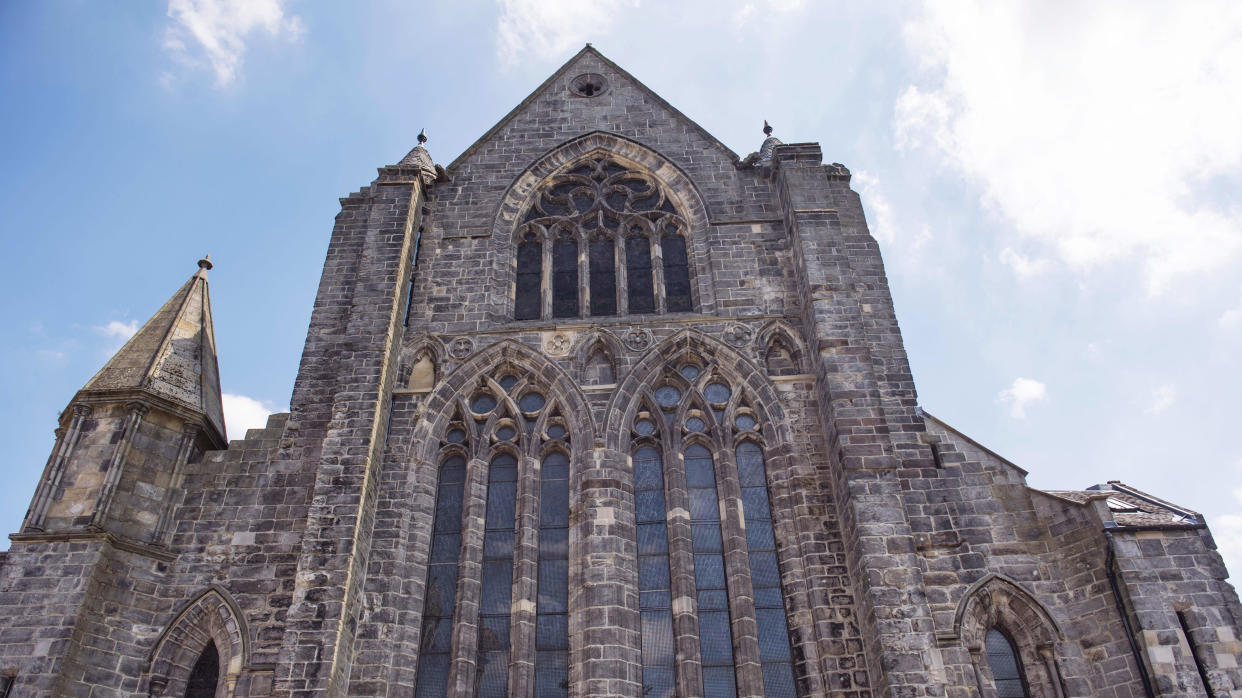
[(422, 136), (767, 128), (205, 262)]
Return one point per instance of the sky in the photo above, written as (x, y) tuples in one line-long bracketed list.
[(1054, 186)]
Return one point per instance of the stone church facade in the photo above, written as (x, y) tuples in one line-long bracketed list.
[(598, 409)]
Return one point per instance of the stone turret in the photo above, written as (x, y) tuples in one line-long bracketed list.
[(128, 433)]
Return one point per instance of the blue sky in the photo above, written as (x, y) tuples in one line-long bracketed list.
[(1055, 189)]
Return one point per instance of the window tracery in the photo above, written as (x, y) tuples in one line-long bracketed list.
[(601, 239), (511, 435), (699, 472)]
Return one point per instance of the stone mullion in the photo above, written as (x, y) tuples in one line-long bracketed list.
[(66, 442), (525, 582), (116, 464), (682, 588), (737, 572), (807, 604), (584, 276), (604, 628), (465, 646), (545, 276), (623, 284), (657, 271)]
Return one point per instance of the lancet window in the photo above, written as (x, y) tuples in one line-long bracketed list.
[(1005, 665), (699, 473), (509, 448), (601, 239)]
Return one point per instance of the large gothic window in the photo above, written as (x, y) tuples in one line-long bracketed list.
[(704, 530), (1005, 666), (502, 512), (603, 239)]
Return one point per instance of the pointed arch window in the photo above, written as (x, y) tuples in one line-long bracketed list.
[(705, 532), (205, 674), (604, 239), (1006, 668), (504, 516)]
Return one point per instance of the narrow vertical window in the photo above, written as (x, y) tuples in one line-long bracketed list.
[(565, 277), (205, 674), (434, 655), (552, 609), (676, 273), (654, 595), (715, 634), (527, 303), (409, 301), (603, 277), (1006, 669), (638, 275), (492, 679), (765, 577)]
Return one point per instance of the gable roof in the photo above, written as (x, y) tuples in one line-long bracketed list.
[(577, 58)]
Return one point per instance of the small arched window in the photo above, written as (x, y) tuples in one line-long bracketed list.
[(1006, 668), (584, 224)]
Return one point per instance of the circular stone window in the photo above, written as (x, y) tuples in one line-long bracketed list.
[(588, 85)]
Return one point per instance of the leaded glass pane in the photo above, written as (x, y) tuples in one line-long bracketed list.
[(763, 570), (717, 393), (554, 503), (654, 599), (638, 275), (778, 681), (658, 647), (645, 427), (652, 572), (750, 469), (553, 543), (453, 471), (445, 547), (497, 586), (494, 633), (652, 539), (603, 269), (745, 422), (709, 572), (556, 431), (759, 535), (448, 508), (773, 636), (553, 586), (649, 505), (648, 474), (433, 672), (437, 634), (555, 467), (755, 502), (659, 683), (1006, 671), (695, 424), (529, 280), (706, 538), (699, 472), (676, 273), (531, 402), (713, 600), (493, 675), (703, 504), (483, 404), (565, 278), (769, 598), (689, 372), (718, 681), (501, 498), (552, 632), (551, 673), (715, 638), (455, 436), (441, 590), (667, 395)]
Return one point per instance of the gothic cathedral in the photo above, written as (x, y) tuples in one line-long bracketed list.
[(600, 408)]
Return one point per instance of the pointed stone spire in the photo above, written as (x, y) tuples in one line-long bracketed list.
[(420, 158), (769, 143), (172, 357)]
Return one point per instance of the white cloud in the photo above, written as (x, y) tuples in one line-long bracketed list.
[(1162, 398), (117, 333), (880, 216), (1024, 267), (1227, 531), (1023, 392), (219, 30), (548, 29), (242, 413), (1232, 317), (1095, 128), (749, 12)]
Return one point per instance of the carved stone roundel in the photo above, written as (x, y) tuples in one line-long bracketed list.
[(738, 335), (637, 338), (558, 344), (461, 347)]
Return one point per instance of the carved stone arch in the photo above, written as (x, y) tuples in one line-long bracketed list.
[(595, 357), (782, 350), (544, 374), (731, 365), (683, 192), (212, 617), (998, 602), (411, 355)]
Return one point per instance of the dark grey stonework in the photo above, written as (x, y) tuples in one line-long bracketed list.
[(301, 551)]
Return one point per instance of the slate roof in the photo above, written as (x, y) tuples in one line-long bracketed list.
[(1133, 508)]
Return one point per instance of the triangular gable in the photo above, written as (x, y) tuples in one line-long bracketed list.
[(562, 71)]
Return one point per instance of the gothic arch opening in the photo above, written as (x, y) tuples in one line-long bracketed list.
[(998, 619), (209, 632)]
